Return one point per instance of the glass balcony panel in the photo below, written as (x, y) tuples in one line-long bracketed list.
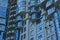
[(51, 22), (47, 23), (40, 1), (51, 10), (19, 18), (48, 3), (20, 24), (34, 16), (23, 3), (18, 1), (55, 0), (33, 2), (21, 9)]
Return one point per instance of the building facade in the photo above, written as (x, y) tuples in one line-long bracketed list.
[(3, 7), (33, 20)]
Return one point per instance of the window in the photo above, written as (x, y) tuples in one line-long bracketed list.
[(32, 2), (39, 21), (34, 16), (51, 22), (48, 31), (49, 38), (40, 37), (24, 36), (33, 9), (56, 21), (2, 27), (32, 39), (51, 10), (32, 26), (0, 33), (2, 21), (16, 34), (53, 37), (23, 3), (47, 23), (55, 0), (52, 29), (19, 18), (22, 9), (24, 29), (20, 24), (3, 3), (21, 30), (40, 1), (24, 23), (49, 2), (32, 33)]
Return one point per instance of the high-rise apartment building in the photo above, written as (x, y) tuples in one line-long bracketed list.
[(11, 20), (33, 20), (3, 6)]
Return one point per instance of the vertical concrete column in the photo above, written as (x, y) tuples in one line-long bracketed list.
[(44, 25), (27, 27)]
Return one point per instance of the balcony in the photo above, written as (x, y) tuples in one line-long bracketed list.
[(19, 18), (12, 11), (50, 12), (41, 3), (21, 11), (12, 21), (20, 25), (13, 7), (34, 17), (12, 37), (10, 32), (38, 9), (32, 3), (13, 2), (57, 4), (49, 4), (11, 16), (27, 18), (12, 26)]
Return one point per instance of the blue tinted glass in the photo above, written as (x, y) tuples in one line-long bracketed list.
[(2, 21), (3, 7), (20, 23), (2, 27)]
